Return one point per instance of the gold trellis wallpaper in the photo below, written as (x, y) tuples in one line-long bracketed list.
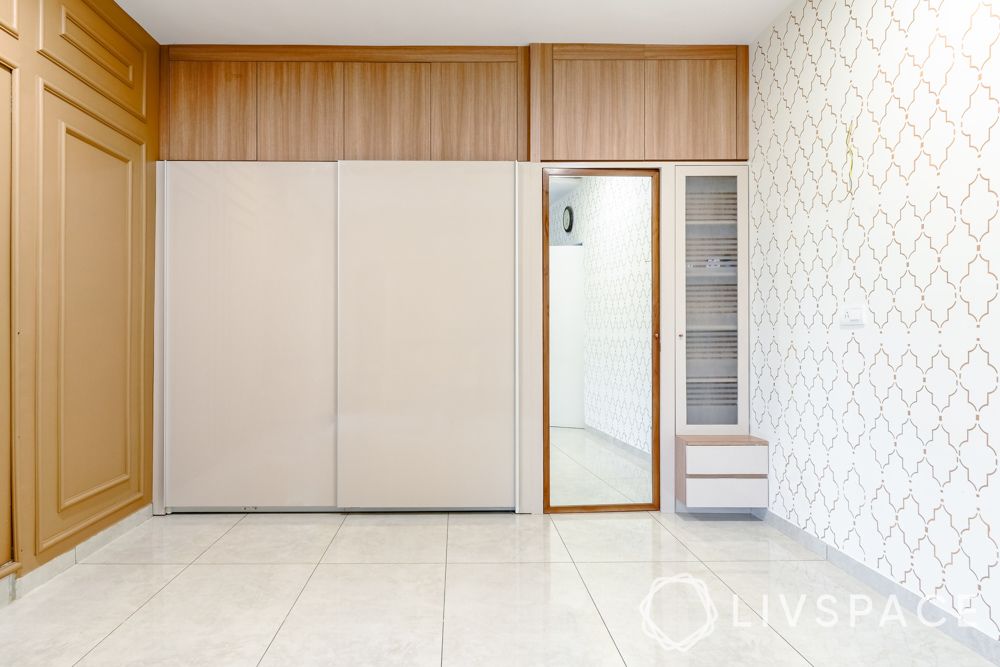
[(875, 160)]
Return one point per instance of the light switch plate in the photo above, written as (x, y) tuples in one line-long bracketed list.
[(853, 315)]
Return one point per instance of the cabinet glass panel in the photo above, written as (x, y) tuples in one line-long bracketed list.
[(710, 220)]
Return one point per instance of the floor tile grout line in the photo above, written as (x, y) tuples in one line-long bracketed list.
[(590, 595), (159, 590), (754, 611), (299, 595), (726, 584), (444, 588)]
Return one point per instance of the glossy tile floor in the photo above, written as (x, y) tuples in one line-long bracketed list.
[(588, 469), (459, 589)]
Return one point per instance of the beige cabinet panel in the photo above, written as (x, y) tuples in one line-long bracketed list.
[(425, 335), (90, 365), (105, 57), (248, 327)]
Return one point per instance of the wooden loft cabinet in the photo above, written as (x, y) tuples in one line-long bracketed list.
[(546, 102), (641, 102), (345, 103)]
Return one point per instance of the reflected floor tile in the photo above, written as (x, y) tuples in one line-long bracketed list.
[(626, 536), (732, 537), (276, 538), (503, 538), (784, 586), (678, 611), (390, 538), (364, 615), (572, 484), (209, 615), (177, 538), (522, 614), (57, 623), (587, 468)]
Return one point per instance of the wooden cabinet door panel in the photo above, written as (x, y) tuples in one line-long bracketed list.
[(387, 111), (691, 110), (473, 111), (213, 111), (300, 111), (90, 361), (6, 156), (597, 109)]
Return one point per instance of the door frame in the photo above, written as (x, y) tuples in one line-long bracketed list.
[(654, 174)]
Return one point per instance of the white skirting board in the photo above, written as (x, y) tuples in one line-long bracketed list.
[(976, 640)]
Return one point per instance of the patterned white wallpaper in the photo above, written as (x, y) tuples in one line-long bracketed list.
[(612, 219), (875, 159)]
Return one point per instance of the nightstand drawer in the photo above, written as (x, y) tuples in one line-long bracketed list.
[(726, 492), (726, 460)]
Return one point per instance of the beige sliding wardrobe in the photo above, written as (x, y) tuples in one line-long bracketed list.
[(425, 335)]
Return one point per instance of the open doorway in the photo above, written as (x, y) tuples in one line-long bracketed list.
[(600, 339)]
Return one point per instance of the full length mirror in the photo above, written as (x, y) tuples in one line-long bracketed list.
[(601, 339)]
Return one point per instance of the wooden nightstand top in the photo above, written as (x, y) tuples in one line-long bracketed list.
[(721, 440)]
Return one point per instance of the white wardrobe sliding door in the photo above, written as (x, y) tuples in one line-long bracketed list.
[(250, 288), (425, 335)]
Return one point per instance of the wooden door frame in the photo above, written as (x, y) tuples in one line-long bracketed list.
[(654, 175)]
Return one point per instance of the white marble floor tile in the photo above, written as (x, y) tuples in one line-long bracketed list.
[(390, 538), (522, 614), (785, 585), (619, 588), (364, 615), (177, 538), (504, 538), (57, 623), (209, 615), (276, 538), (732, 537), (625, 536)]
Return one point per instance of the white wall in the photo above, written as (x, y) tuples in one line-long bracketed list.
[(613, 221), (875, 161), (566, 336)]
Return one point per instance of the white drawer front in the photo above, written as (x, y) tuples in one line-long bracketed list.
[(726, 492), (726, 460)]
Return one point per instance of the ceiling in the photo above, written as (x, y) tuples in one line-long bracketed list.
[(453, 22)]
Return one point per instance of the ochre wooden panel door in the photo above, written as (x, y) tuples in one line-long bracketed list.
[(300, 111), (387, 111), (213, 111), (597, 109), (91, 371), (473, 111), (6, 155), (691, 110)]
